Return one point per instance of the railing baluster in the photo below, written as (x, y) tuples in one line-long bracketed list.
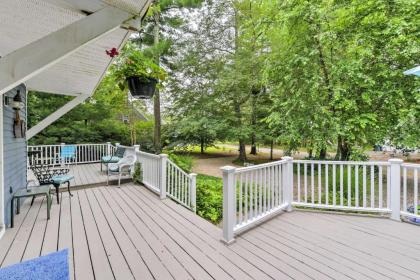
[(380, 187), (404, 188), (326, 185), (349, 185), (312, 184), (356, 183), (298, 181), (319, 184), (240, 198), (364, 186), (334, 185), (416, 191), (305, 181), (372, 186), (341, 185)]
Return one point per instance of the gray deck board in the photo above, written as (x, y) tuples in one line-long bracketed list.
[(129, 233)]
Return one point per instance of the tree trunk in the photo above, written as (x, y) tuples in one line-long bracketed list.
[(253, 124), (271, 149), (202, 145), (323, 153), (343, 149), (242, 151), (156, 100), (338, 152), (310, 153)]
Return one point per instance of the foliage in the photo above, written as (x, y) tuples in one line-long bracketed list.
[(210, 198), (138, 173), (132, 62), (97, 120), (185, 162)]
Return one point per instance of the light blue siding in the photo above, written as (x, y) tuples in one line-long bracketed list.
[(15, 156)]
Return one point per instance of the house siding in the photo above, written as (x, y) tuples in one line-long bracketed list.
[(15, 152)]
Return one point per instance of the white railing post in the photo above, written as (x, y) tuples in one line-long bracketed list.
[(288, 183), (162, 181), (395, 188), (62, 159), (117, 144), (193, 190), (108, 148), (229, 203)]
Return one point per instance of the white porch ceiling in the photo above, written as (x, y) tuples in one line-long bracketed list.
[(25, 21)]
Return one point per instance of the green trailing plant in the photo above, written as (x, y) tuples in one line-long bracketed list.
[(132, 62), (138, 173)]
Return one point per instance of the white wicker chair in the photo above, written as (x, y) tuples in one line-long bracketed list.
[(122, 167)]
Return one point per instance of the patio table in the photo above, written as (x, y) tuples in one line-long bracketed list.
[(32, 192)]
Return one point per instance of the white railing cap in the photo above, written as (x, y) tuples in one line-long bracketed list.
[(396, 160), (228, 169), (287, 158)]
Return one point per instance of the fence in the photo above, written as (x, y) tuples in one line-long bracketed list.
[(166, 179), (80, 153), (410, 207), (342, 185), (180, 186), (254, 194)]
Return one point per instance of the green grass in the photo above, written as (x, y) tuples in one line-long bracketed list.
[(210, 150)]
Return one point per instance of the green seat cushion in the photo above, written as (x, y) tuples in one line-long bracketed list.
[(60, 179), (110, 159)]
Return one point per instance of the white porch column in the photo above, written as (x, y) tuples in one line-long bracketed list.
[(395, 188), (288, 182), (193, 194), (162, 181), (229, 203)]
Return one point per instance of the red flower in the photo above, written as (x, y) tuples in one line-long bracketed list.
[(112, 52)]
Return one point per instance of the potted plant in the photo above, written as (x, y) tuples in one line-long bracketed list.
[(138, 72)]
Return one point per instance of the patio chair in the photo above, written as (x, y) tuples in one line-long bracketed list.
[(122, 167), (119, 154), (51, 175), (68, 154)]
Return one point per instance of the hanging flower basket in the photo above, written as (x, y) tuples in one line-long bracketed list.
[(141, 87)]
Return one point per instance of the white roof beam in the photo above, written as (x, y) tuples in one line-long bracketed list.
[(55, 116), (24, 63), (89, 6)]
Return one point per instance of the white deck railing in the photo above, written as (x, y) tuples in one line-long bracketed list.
[(180, 186), (166, 179), (360, 186), (84, 153), (410, 190), (253, 194), (151, 166)]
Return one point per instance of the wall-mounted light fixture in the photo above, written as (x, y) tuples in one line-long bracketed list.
[(15, 103)]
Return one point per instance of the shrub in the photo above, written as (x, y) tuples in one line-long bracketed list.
[(185, 162), (138, 173), (210, 198)]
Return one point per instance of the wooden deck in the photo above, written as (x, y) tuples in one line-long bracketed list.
[(129, 233), (87, 175)]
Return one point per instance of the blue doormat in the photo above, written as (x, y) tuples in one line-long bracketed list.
[(53, 266)]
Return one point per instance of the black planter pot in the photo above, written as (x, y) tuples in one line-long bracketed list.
[(140, 87)]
